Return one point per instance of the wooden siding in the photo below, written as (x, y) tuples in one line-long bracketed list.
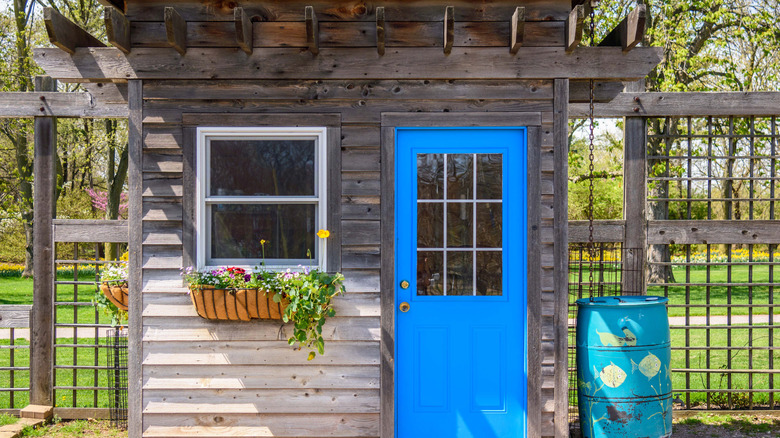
[(222, 378)]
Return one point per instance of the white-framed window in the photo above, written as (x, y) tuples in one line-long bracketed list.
[(261, 197)]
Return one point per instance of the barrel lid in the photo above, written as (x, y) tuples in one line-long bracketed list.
[(621, 301)]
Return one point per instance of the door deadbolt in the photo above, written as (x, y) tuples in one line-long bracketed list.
[(404, 307), (404, 284)]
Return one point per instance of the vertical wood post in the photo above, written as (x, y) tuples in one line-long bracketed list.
[(135, 274), (635, 198), (41, 325)]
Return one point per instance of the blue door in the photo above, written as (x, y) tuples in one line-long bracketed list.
[(460, 282)]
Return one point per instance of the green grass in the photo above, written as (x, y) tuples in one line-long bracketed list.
[(6, 419), (75, 429), (20, 291), (64, 377), (711, 424), (740, 359)]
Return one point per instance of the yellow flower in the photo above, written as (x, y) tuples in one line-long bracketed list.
[(262, 241), (323, 234)]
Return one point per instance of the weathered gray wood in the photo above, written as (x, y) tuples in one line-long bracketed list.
[(574, 25), (449, 28), (135, 351), (534, 283), (360, 160), (629, 32), (312, 30), (117, 29), (518, 30), (712, 232), (15, 315), (634, 201), (31, 104), (87, 230), (349, 10), (44, 204), (333, 196), (166, 161), (89, 64), (243, 31), (66, 34), (464, 119), (380, 31), (83, 413), (561, 257), (271, 119), (685, 104), (256, 425), (579, 91), (603, 231), (387, 300), (354, 34), (359, 89), (162, 211), (176, 30)]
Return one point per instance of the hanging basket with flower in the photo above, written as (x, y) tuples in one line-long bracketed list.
[(302, 297), (113, 284)]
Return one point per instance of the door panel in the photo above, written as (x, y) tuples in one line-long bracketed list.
[(461, 238)]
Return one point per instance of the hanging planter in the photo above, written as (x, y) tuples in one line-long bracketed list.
[(116, 292), (112, 295), (236, 304)]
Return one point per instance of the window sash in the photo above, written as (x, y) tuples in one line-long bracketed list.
[(204, 200)]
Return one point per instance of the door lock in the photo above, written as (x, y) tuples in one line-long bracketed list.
[(404, 284), (404, 307)]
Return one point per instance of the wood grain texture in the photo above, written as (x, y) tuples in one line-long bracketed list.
[(99, 64), (701, 104), (449, 29), (712, 232), (603, 231), (387, 321), (85, 230), (561, 259), (66, 34), (462, 119), (629, 32), (244, 32), (312, 31), (15, 315), (574, 26), (44, 207), (533, 294), (350, 10), (135, 348), (635, 201), (175, 30), (258, 425), (380, 31), (52, 104), (117, 29), (517, 35)]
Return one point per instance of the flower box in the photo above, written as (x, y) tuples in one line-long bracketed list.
[(236, 304), (116, 292)]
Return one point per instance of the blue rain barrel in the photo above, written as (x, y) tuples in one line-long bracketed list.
[(624, 381)]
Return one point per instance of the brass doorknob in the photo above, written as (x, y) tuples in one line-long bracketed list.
[(404, 307)]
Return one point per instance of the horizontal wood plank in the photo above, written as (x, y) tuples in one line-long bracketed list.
[(15, 315), (85, 230), (101, 64), (712, 232), (716, 104), (54, 104), (603, 231)]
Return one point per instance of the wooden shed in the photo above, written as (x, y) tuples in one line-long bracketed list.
[(435, 137)]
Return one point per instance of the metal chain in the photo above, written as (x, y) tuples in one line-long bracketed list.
[(591, 158)]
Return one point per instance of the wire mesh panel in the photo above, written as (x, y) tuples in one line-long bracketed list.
[(116, 361), (722, 291), (597, 270)]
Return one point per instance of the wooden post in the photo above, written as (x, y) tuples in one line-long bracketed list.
[(243, 30), (42, 326), (518, 30), (312, 30), (380, 30), (135, 275), (175, 30), (117, 29), (574, 27), (449, 29), (635, 198)]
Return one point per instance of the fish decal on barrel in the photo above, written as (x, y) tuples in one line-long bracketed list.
[(649, 366), (612, 375), (609, 339)]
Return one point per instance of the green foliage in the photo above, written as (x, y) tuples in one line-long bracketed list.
[(118, 316), (6, 419)]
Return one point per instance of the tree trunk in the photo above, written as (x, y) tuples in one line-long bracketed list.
[(658, 210), (116, 182)]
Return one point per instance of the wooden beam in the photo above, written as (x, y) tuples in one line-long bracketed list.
[(684, 105), (603, 231), (44, 202), (629, 32), (80, 230), (66, 34), (312, 30), (713, 232), (574, 25), (117, 29), (380, 30), (52, 104), (15, 315), (449, 29), (101, 64), (243, 30), (518, 30), (176, 30), (118, 4)]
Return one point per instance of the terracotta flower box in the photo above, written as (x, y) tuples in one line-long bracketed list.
[(236, 304), (116, 292)]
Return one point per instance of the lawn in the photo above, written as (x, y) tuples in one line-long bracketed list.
[(15, 290), (84, 356)]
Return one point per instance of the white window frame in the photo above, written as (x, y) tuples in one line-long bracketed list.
[(203, 224)]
